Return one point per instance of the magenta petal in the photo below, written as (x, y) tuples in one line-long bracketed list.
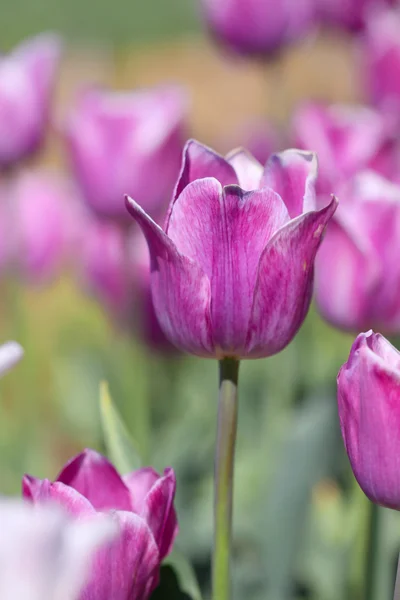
[(180, 290), (249, 172), (93, 476), (199, 162), (225, 232), (41, 491), (128, 568), (159, 512), (292, 174), (284, 284), (140, 483)]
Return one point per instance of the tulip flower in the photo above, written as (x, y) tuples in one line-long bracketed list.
[(26, 83), (232, 272), (380, 54), (44, 554), (357, 271), (141, 504), (127, 143), (346, 139), (368, 397), (258, 27), (350, 15)]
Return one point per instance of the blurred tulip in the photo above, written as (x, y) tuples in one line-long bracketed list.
[(368, 398), (232, 273), (26, 83), (127, 143), (346, 140), (10, 354), (380, 56), (258, 27), (44, 555), (41, 222), (357, 268), (141, 504), (350, 15)]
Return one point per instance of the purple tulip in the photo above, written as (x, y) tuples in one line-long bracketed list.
[(258, 27), (127, 143), (26, 84), (41, 207), (346, 139), (232, 273), (380, 54), (44, 554), (368, 397), (350, 15), (357, 268), (141, 504)]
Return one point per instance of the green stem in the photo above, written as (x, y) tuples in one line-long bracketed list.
[(371, 563), (397, 584), (223, 482)]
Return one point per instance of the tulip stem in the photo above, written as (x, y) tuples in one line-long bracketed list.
[(373, 550), (223, 486), (397, 584)]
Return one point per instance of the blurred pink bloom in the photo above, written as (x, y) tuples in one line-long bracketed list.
[(26, 84), (45, 555), (346, 140), (380, 55), (10, 354), (141, 504), (127, 143), (357, 268), (348, 14), (40, 222), (258, 27), (258, 136), (368, 397), (232, 273)]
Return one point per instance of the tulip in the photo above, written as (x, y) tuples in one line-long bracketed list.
[(45, 555), (346, 139), (128, 142), (142, 506), (232, 272), (357, 271), (258, 27), (10, 354), (368, 397), (350, 15), (26, 84), (380, 53)]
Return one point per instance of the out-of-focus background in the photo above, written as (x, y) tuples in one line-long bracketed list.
[(297, 516)]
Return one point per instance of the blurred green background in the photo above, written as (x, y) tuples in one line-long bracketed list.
[(299, 517)]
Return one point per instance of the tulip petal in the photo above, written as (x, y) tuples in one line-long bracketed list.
[(284, 283), (140, 483), (41, 491), (292, 174), (180, 289), (158, 511), (128, 568), (93, 476), (225, 232), (248, 170)]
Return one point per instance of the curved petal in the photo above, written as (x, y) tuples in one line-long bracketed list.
[(41, 491), (225, 232), (293, 174), (159, 513), (128, 568), (180, 289), (248, 170), (284, 283), (93, 476), (199, 162), (140, 483)]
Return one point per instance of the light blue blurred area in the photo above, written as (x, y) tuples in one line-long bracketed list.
[(121, 21)]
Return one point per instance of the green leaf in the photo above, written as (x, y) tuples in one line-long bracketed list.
[(185, 573), (169, 588), (120, 447)]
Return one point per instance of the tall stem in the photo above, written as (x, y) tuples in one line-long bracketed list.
[(397, 584), (372, 553), (223, 482)]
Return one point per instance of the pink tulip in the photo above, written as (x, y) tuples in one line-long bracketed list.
[(368, 397), (380, 54), (357, 268), (141, 504), (232, 272), (348, 14), (127, 143), (44, 555), (26, 84), (258, 27), (346, 140)]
